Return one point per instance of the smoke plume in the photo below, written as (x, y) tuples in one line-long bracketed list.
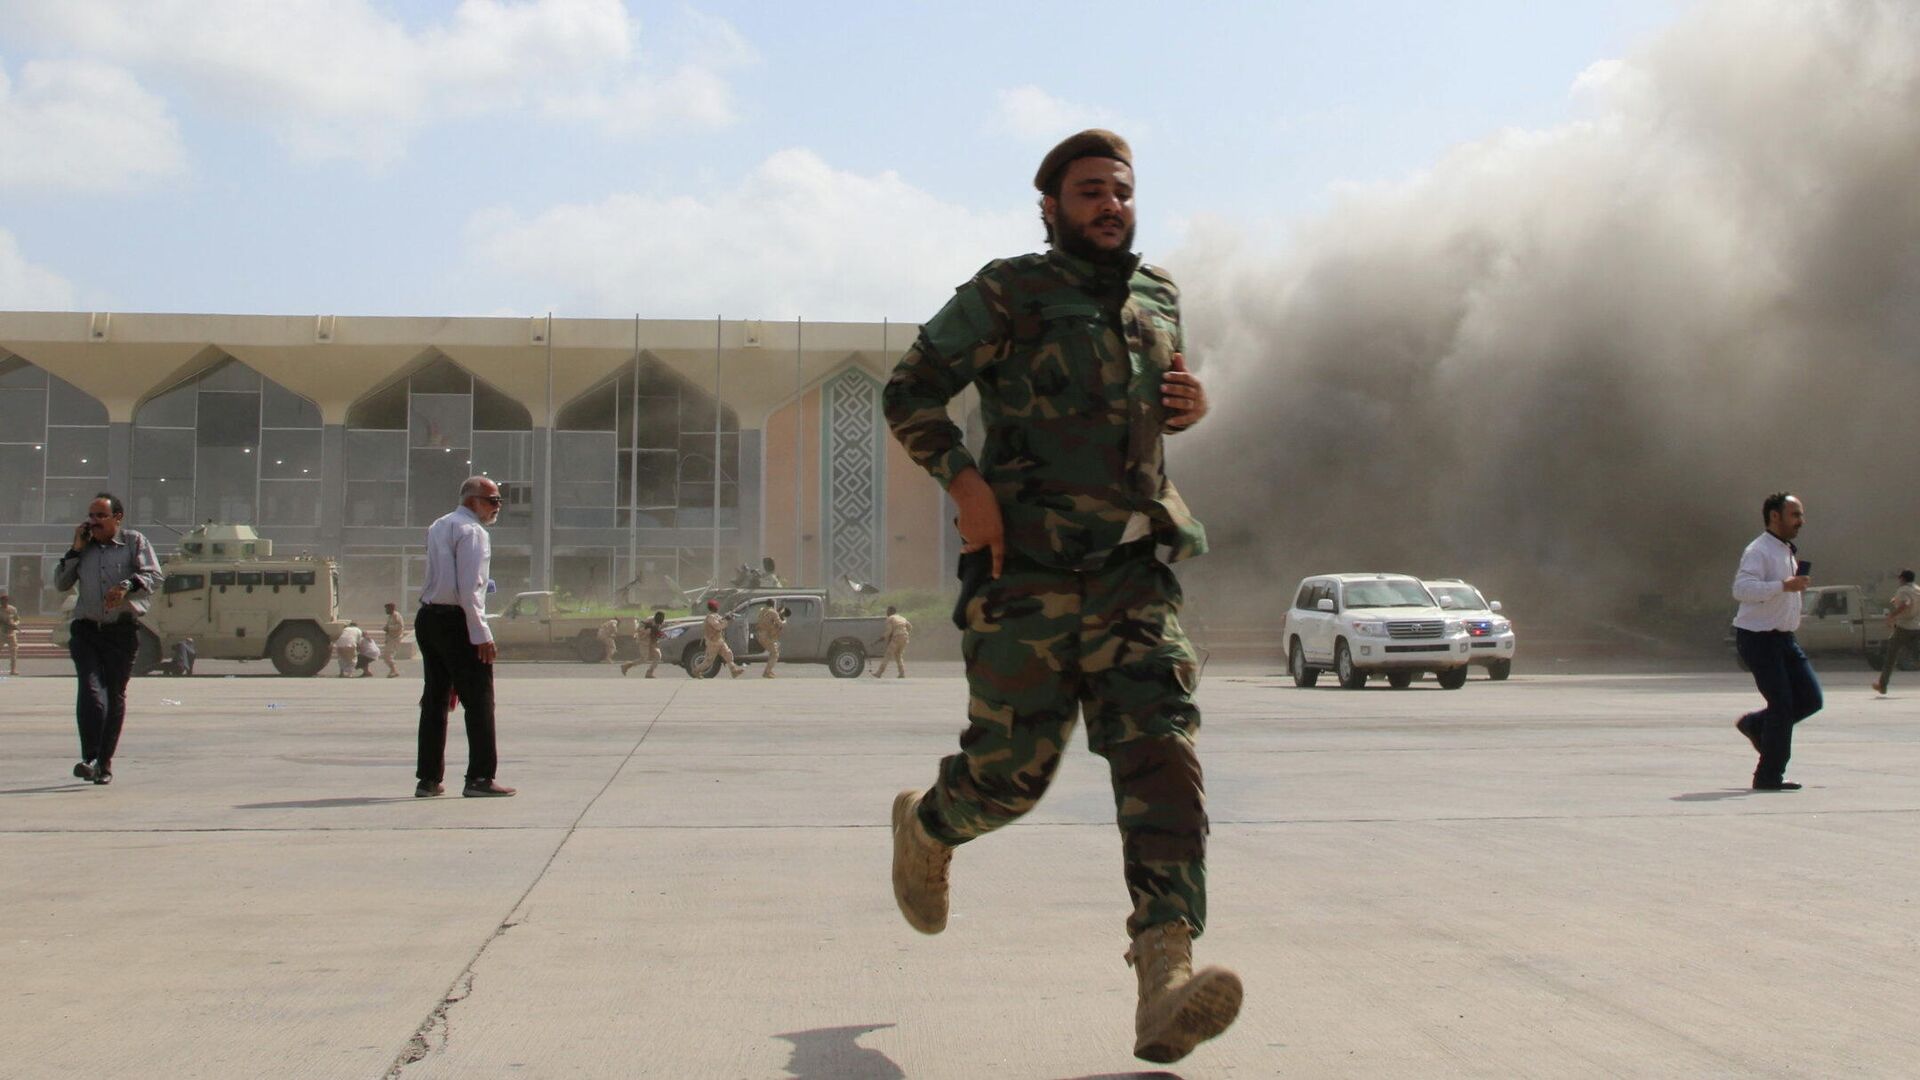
[(1569, 364)]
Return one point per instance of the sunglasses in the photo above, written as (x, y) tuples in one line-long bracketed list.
[(494, 499)]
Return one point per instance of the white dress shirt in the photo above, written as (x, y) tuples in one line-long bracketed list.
[(458, 554), (1760, 586)]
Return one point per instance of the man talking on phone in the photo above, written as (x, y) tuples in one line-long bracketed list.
[(116, 573)]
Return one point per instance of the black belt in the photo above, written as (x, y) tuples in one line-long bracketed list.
[(441, 607)]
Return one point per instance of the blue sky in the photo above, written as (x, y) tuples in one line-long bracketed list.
[(846, 161)]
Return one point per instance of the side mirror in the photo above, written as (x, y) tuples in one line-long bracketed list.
[(1495, 607), (1323, 604)]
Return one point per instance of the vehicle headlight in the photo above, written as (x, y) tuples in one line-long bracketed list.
[(1455, 626), (1370, 629), (1501, 626)]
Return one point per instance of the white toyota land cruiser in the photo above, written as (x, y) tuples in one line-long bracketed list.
[(1365, 624), (1491, 632)]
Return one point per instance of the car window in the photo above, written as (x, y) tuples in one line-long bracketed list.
[(1388, 593), (1305, 599), (179, 583), (1464, 597)]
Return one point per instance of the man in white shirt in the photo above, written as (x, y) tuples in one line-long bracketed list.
[(455, 643), (1904, 618), (1769, 585)]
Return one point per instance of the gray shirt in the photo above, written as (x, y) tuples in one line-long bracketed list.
[(127, 557)]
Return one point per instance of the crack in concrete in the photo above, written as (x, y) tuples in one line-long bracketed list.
[(435, 1032)]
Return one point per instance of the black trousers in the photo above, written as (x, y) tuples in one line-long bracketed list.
[(103, 662), (1902, 642), (452, 665), (1785, 678)]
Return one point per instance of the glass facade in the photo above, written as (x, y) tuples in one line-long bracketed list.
[(639, 450), (227, 445), (53, 447), (411, 445)]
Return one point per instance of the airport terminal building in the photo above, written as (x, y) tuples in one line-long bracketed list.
[(630, 450)]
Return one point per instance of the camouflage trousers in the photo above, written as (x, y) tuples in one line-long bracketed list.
[(1042, 645)]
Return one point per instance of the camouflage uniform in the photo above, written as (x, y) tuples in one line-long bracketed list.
[(1069, 357), (715, 629), (10, 636), (650, 635), (606, 634), (898, 629), (769, 627), (396, 629)]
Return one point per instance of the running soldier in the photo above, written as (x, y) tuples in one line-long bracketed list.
[(772, 621), (396, 629), (651, 632), (1076, 354), (715, 629), (895, 643)]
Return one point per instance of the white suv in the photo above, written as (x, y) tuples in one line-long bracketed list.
[(1490, 632), (1364, 624)]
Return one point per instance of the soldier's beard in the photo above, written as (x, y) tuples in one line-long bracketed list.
[(1073, 240)]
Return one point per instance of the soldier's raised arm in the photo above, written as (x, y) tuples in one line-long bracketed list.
[(959, 342)]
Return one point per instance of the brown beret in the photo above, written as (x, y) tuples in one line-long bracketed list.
[(1093, 142)]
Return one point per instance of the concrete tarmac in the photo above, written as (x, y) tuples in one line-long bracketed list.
[(1556, 876)]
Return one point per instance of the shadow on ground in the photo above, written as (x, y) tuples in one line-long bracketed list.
[(1713, 796), (324, 804), (836, 1054)]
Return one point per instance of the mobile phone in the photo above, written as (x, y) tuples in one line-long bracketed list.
[(1803, 568)]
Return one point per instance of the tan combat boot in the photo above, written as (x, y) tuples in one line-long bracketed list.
[(919, 867), (1178, 1009)]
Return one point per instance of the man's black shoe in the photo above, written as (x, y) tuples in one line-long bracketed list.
[(83, 771), (485, 789), (1777, 785), (102, 776), (1750, 729), (424, 790)]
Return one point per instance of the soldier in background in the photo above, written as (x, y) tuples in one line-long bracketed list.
[(895, 643), (10, 633), (396, 629), (606, 634), (651, 632), (1904, 619), (1076, 354), (715, 631), (772, 621)]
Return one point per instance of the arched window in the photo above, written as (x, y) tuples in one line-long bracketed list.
[(227, 445), (638, 449), (410, 445), (53, 446)]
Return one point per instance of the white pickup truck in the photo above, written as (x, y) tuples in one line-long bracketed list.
[(1839, 620)]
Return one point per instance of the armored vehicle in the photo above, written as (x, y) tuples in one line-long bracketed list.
[(227, 590)]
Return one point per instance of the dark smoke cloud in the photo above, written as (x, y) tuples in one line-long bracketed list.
[(1569, 364)]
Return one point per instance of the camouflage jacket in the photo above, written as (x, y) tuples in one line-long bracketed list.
[(1068, 358)]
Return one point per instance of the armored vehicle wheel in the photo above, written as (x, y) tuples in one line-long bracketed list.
[(1452, 678), (1303, 676), (847, 661), (298, 649), (146, 655), (1351, 678), (586, 646), (1400, 680), (1499, 670)]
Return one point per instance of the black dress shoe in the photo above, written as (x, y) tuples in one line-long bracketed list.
[(1777, 785), (485, 789), (102, 776), (83, 771), (1750, 729), (425, 790)]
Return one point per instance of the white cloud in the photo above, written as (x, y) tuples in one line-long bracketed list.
[(26, 287), (1031, 114), (342, 79), (76, 125), (795, 238)]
